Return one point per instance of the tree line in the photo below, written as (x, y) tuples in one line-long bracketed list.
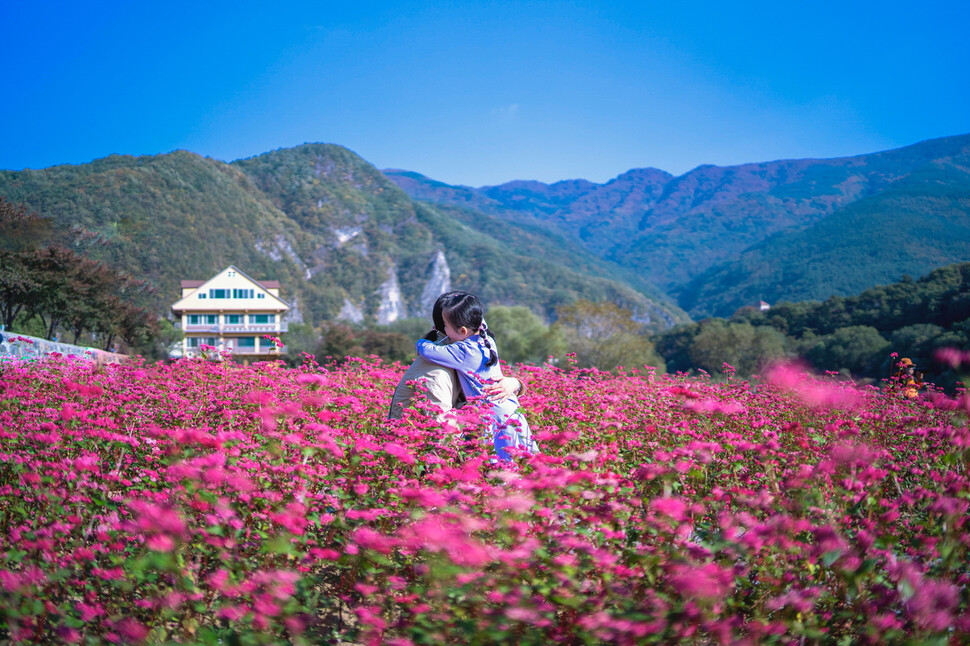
[(51, 291), (585, 334), (855, 336)]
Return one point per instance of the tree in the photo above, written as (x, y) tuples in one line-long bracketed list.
[(21, 232), (159, 347), (389, 346), (741, 345), (338, 341), (63, 289), (674, 346), (55, 271), (522, 337), (17, 285), (604, 335), (859, 349), (300, 338)]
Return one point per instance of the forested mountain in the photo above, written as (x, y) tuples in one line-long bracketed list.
[(350, 242), (920, 222), (343, 240), (707, 235), (162, 218)]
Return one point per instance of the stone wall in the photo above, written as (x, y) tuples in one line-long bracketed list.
[(21, 346)]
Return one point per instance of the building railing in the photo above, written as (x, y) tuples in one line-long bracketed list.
[(263, 351), (236, 328)]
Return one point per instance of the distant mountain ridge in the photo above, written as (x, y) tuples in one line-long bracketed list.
[(344, 241), (673, 230), (349, 241)]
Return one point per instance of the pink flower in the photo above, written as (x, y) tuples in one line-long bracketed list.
[(814, 393), (706, 582), (89, 612), (952, 357), (371, 617), (673, 507), (371, 540), (933, 603), (232, 613), (398, 451), (132, 630)]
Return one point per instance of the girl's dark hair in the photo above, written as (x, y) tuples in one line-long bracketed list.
[(463, 310)]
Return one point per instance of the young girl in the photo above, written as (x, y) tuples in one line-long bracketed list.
[(472, 354)]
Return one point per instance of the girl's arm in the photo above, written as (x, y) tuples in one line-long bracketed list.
[(454, 356), (504, 388)]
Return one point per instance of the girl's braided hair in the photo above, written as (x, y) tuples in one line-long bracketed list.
[(464, 310)]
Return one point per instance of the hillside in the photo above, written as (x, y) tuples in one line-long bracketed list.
[(918, 224), (369, 233), (670, 230), (350, 242), (344, 241), (162, 218)]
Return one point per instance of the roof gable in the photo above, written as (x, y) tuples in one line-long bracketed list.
[(234, 275)]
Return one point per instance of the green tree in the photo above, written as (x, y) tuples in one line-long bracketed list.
[(17, 285), (21, 234), (674, 346), (159, 347), (522, 337), (338, 341), (741, 345), (389, 346), (300, 338), (604, 335), (858, 349), (55, 272)]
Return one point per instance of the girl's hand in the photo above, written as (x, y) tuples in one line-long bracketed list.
[(502, 389)]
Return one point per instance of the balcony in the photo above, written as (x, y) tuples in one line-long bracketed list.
[(236, 328), (238, 352), (263, 350)]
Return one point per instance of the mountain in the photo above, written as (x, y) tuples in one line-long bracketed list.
[(162, 218), (919, 223), (374, 235), (672, 231), (344, 241), (348, 241)]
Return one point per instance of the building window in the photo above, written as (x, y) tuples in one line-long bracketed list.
[(194, 319), (233, 319), (260, 295), (218, 293), (242, 293), (196, 341), (246, 342), (201, 295), (212, 319), (262, 318)]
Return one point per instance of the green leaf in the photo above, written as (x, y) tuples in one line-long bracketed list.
[(831, 557)]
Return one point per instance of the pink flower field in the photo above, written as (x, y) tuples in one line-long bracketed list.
[(205, 502)]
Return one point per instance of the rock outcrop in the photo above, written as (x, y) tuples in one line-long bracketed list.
[(439, 282), (391, 307)]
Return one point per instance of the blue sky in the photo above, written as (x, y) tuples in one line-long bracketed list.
[(480, 93)]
